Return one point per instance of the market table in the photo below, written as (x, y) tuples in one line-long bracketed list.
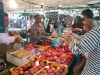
[(6, 70), (70, 66)]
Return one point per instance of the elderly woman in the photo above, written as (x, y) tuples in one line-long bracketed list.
[(88, 25), (89, 43)]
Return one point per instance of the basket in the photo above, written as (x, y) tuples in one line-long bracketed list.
[(77, 69)]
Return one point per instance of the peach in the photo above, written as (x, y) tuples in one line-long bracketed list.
[(20, 72), (20, 69), (16, 71), (44, 71)]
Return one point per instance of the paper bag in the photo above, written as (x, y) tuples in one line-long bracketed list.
[(54, 34)]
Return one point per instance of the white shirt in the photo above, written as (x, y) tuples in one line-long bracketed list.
[(6, 39)]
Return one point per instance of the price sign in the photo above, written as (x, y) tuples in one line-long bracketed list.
[(47, 66), (37, 63)]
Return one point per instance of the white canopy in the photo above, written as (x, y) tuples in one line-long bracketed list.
[(28, 4)]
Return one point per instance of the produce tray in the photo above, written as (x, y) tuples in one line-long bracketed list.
[(13, 72), (57, 66)]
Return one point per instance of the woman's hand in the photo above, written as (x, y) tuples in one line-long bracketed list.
[(67, 34), (69, 39)]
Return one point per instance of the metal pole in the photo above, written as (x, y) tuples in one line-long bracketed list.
[(26, 25), (99, 12)]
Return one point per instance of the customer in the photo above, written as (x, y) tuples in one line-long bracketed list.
[(5, 39), (88, 25), (87, 14), (77, 24), (36, 30), (89, 43)]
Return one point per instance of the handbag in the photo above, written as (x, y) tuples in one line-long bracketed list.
[(77, 69)]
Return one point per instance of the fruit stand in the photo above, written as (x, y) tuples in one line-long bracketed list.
[(52, 61)]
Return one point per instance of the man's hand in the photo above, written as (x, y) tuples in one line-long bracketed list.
[(17, 38), (77, 29)]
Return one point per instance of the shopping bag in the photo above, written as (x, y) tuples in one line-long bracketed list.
[(77, 69)]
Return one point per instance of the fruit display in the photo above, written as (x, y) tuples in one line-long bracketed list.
[(29, 47), (43, 47), (53, 69), (60, 55), (50, 61), (46, 44), (30, 68)]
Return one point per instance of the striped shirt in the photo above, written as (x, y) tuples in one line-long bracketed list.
[(90, 43)]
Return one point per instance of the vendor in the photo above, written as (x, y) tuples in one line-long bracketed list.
[(5, 39), (36, 30)]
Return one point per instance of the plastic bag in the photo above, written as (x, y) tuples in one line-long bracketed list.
[(80, 66)]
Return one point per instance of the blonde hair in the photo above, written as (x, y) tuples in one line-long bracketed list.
[(90, 23)]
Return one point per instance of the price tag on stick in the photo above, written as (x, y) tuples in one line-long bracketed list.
[(37, 63)]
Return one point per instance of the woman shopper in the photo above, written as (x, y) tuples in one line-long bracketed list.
[(88, 25), (89, 43), (87, 14)]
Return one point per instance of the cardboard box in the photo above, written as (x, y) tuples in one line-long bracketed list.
[(19, 61)]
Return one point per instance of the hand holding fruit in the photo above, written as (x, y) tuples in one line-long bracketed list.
[(77, 29), (17, 38)]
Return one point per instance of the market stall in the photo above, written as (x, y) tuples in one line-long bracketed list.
[(47, 60), (51, 56), (53, 52)]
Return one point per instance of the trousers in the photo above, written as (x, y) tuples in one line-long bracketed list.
[(3, 49)]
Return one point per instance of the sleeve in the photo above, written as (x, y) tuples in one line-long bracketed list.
[(77, 36), (44, 33), (7, 39), (86, 44)]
